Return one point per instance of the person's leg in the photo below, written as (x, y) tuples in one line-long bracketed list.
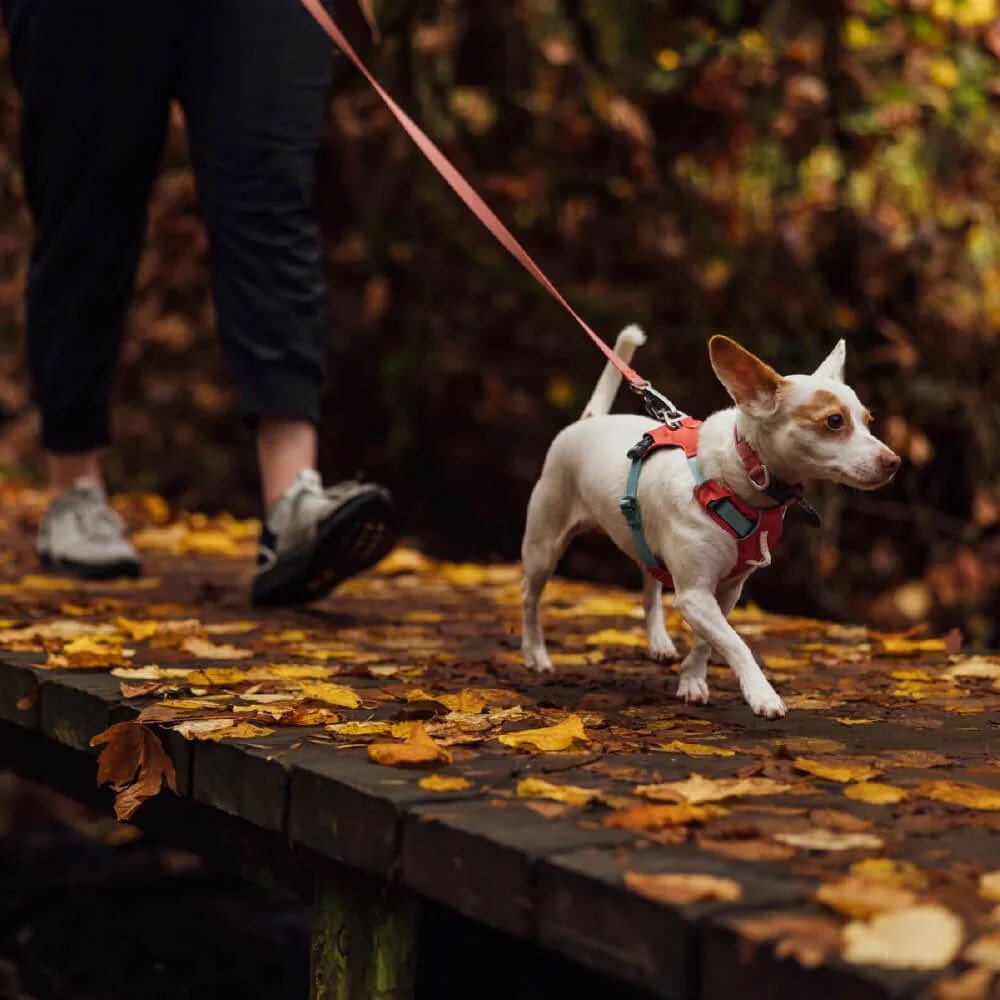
[(254, 87), (94, 85)]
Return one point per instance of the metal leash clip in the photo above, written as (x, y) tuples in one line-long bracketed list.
[(659, 407)]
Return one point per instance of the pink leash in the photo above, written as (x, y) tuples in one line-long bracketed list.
[(475, 203)]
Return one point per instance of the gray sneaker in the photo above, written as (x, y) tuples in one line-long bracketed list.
[(81, 535), (315, 539)]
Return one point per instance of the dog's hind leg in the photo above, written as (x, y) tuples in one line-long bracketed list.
[(549, 529), (661, 646)]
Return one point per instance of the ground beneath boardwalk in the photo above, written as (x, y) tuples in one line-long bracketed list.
[(880, 791)]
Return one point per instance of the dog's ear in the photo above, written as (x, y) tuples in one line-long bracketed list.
[(833, 365), (753, 384)]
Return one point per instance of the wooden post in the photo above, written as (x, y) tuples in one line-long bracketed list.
[(364, 939)]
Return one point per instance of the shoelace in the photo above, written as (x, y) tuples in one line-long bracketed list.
[(96, 519)]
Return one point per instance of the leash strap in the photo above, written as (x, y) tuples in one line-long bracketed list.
[(453, 176)]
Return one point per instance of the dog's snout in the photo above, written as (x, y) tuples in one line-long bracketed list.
[(889, 461)]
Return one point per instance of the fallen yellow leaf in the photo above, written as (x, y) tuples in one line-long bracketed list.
[(985, 951), (903, 873), (331, 694), (989, 886), (836, 769), (550, 739), (539, 788), (959, 793), (205, 650), (683, 888), (444, 783), (694, 749), (615, 637), (918, 937), (875, 792), (897, 646), (417, 751), (656, 816), (360, 728), (859, 897)]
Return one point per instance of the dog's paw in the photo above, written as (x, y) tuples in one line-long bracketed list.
[(693, 689), (662, 648), (537, 659), (766, 703)]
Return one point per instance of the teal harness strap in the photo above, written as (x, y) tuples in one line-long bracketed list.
[(629, 505), (724, 509)]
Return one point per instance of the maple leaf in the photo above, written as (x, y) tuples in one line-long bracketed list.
[(331, 694), (135, 765), (419, 750), (683, 888), (550, 739)]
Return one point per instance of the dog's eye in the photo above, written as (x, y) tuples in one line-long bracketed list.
[(835, 421)]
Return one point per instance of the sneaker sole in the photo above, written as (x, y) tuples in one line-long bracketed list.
[(87, 571), (352, 539)]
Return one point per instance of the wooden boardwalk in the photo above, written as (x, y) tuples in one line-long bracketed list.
[(844, 851)]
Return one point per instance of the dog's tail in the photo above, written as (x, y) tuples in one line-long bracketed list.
[(606, 389)]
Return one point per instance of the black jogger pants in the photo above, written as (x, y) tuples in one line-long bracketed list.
[(97, 77)]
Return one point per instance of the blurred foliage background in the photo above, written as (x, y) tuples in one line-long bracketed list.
[(786, 173)]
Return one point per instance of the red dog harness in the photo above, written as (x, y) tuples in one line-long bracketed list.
[(755, 529)]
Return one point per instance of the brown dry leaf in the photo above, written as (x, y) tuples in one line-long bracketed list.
[(205, 650), (876, 793), (419, 750), (331, 694), (215, 677), (809, 744), (682, 888), (962, 793), (137, 630), (444, 783), (919, 937), (550, 739), (750, 849), (819, 839), (836, 768), (134, 763), (287, 714), (238, 731), (861, 898), (655, 817), (845, 721), (539, 788), (694, 749), (809, 939), (985, 951), (913, 758), (697, 789)]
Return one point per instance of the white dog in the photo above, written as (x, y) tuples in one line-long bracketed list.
[(782, 430)]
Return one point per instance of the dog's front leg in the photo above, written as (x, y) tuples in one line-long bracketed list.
[(692, 686), (700, 608), (661, 646)]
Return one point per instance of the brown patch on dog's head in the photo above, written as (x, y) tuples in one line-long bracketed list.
[(826, 413)]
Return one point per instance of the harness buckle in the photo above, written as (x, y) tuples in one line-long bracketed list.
[(759, 477), (640, 449), (629, 506)]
